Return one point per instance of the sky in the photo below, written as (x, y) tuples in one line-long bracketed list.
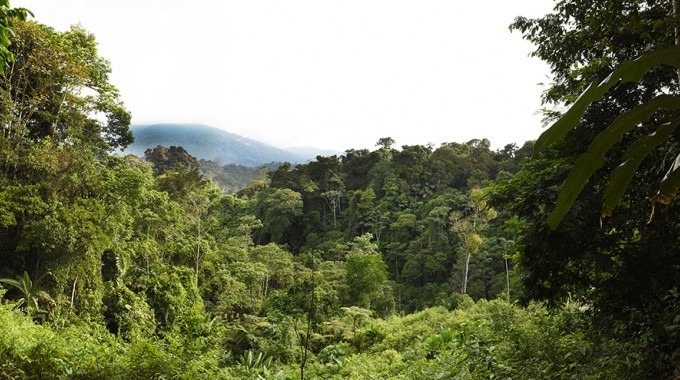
[(332, 74)]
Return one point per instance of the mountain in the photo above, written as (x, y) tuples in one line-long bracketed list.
[(209, 143)]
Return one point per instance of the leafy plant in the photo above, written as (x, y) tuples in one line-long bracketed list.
[(7, 16), (436, 343), (334, 354), (254, 363), (29, 292), (593, 158)]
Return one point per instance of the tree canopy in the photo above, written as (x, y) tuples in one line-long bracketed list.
[(418, 261), (624, 267)]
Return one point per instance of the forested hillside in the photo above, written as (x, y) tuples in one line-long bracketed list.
[(231, 178), (405, 261), (209, 143), (228, 178)]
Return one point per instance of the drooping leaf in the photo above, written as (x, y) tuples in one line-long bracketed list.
[(668, 188), (593, 158), (632, 158), (44, 295), (11, 282), (630, 71)]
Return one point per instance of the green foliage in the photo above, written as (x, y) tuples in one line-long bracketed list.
[(345, 267), (625, 268), (490, 339), (631, 71), (30, 293), (279, 209), (404, 198), (254, 364), (173, 158), (334, 354), (593, 159), (7, 18), (58, 70), (366, 272), (233, 178), (83, 351)]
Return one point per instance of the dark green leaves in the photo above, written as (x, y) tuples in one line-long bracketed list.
[(631, 71), (29, 291), (636, 153), (7, 16), (670, 184), (593, 159)]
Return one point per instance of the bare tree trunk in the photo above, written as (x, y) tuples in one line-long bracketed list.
[(507, 277), (467, 269), (73, 295), (335, 218)]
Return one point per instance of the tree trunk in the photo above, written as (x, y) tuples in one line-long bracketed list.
[(73, 295), (507, 277), (467, 268)]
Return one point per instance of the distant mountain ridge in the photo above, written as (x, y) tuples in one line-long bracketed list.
[(209, 143)]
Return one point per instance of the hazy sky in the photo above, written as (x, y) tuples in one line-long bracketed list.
[(331, 74)]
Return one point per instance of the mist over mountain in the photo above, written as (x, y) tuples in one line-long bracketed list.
[(209, 143)]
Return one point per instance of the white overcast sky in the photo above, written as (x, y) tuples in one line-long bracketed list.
[(330, 74)]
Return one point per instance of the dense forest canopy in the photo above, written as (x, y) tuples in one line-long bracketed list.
[(398, 262)]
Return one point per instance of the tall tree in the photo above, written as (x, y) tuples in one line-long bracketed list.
[(64, 201), (624, 268), (278, 209), (58, 88), (366, 271), (385, 143), (469, 227)]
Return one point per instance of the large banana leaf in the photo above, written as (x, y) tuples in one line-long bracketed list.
[(631, 71), (670, 184), (593, 158), (636, 153)]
